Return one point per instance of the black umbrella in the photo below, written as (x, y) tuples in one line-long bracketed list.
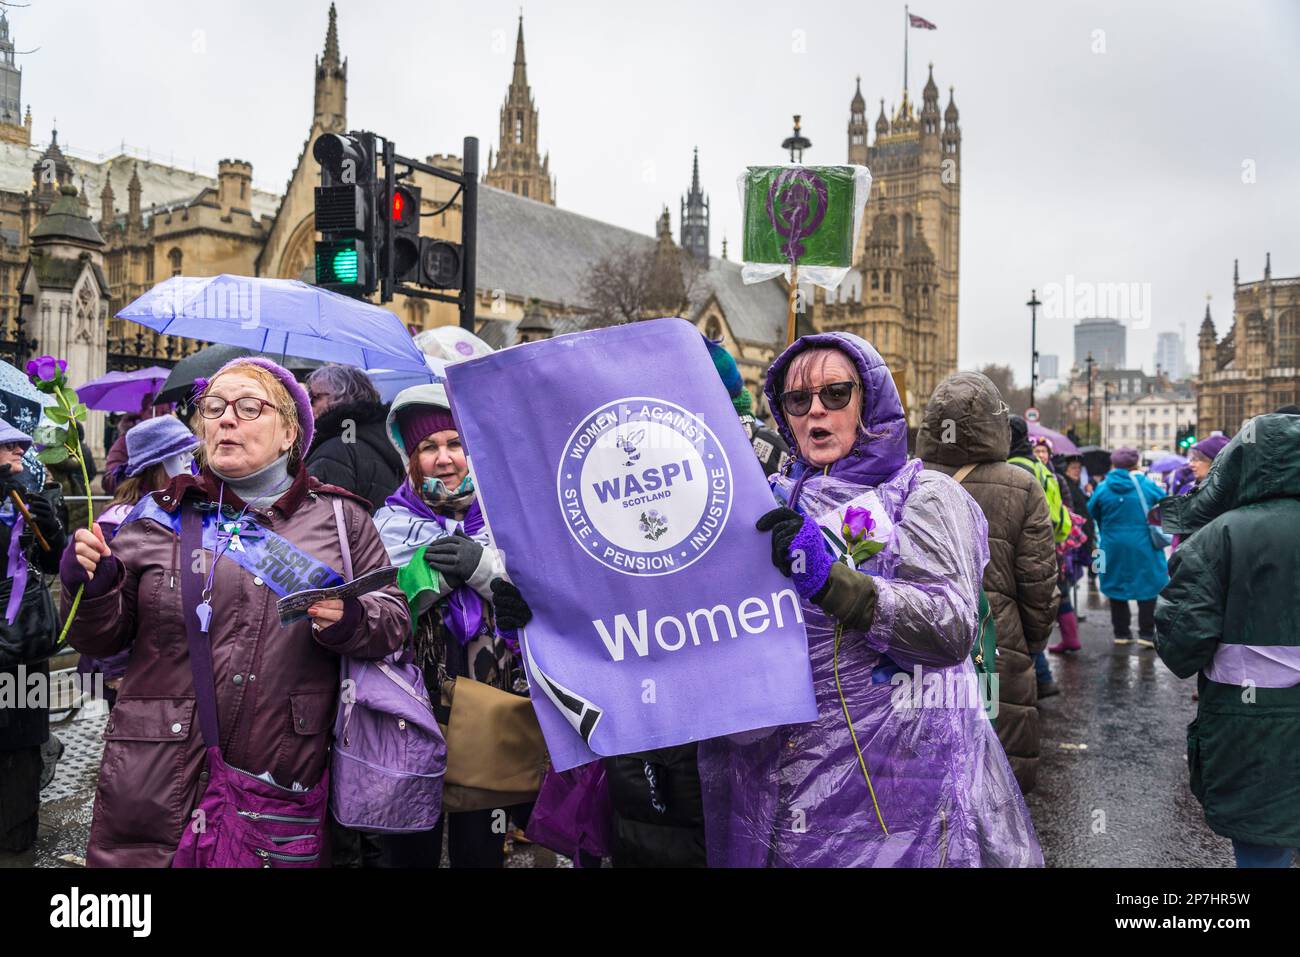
[(204, 363), (1095, 459)]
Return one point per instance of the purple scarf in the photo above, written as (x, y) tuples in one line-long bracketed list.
[(463, 614), (17, 570)]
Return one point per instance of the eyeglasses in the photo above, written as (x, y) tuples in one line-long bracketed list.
[(247, 407), (13, 447), (834, 395)]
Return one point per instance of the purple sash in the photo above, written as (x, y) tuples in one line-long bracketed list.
[(17, 570)]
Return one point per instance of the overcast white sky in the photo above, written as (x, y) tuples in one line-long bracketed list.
[(1087, 157)]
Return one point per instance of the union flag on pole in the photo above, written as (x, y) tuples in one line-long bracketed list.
[(921, 23)]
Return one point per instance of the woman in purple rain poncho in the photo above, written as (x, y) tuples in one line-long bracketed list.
[(941, 792)]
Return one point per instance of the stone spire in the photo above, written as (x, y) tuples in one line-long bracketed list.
[(519, 166), (520, 78), (106, 212), (331, 108), (332, 38), (51, 171), (133, 216), (695, 216), (858, 128)]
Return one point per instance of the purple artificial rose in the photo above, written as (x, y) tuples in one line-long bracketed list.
[(858, 524), (46, 368)]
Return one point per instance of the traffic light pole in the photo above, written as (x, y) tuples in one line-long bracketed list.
[(469, 235), (386, 280)]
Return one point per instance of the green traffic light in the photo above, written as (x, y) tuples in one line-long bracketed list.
[(345, 265)]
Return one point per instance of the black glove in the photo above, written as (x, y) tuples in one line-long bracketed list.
[(784, 524), (454, 557), (8, 480), (42, 512), (512, 611)]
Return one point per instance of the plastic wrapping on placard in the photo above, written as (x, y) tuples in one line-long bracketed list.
[(811, 215), (796, 795)]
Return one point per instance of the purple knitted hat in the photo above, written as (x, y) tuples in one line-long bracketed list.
[(306, 420), (9, 433), (1211, 447), (1124, 458), (153, 440), (418, 422)]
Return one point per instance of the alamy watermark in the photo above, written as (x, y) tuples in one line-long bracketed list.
[(37, 690), (1129, 302)]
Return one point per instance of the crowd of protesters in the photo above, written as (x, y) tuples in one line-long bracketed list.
[(992, 533)]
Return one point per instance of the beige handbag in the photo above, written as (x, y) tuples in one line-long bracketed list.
[(496, 755)]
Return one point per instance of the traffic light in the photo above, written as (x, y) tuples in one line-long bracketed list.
[(345, 213), (1186, 439), (441, 264), (401, 216)]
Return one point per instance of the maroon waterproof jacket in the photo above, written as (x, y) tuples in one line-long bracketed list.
[(277, 687)]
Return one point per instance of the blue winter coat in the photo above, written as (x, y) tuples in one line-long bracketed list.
[(1130, 566)]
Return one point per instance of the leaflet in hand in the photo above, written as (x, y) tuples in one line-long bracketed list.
[(294, 607)]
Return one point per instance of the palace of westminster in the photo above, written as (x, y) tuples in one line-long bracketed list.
[(79, 239)]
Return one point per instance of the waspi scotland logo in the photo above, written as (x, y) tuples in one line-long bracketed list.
[(644, 486)]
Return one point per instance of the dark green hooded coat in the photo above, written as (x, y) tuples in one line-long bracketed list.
[(1231, 611)]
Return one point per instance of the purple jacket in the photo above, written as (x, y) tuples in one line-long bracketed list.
[(795, 795)]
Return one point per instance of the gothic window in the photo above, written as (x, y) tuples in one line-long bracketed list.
[(174, 257), (525, 190), (148, 267), (875, 279), (519, 127), (1288, 339), (907, 226), (243, 189), (888, 284)]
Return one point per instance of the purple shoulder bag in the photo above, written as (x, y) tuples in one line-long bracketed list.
[(241, 820)]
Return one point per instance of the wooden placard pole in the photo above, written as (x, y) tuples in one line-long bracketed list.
[(794, 298), (31, 523)]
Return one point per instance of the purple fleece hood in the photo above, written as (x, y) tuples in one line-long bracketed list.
[(882, 449)]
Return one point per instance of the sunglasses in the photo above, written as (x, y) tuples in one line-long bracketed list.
[(834, 395)]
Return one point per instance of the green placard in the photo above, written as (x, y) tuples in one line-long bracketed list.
[(799, 214)]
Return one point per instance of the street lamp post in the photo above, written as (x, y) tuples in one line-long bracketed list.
[(1105, 412), (1033, 305), (797, 143), (1088, 363)]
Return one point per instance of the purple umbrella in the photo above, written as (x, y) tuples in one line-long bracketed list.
[(1060, 444), (1168, 464), (278, 317), (122, 391)]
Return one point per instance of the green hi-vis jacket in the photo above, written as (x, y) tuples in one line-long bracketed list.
[(1061, 521), (1231, 612)]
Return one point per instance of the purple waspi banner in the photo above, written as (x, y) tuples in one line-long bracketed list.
[(621, 490)]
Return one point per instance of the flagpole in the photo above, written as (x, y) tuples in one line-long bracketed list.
[(906, 21)]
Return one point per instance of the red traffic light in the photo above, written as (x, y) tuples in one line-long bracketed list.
[(403, 206)]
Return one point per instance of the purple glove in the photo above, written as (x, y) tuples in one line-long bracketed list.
[(73, 575), (798, 550)]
